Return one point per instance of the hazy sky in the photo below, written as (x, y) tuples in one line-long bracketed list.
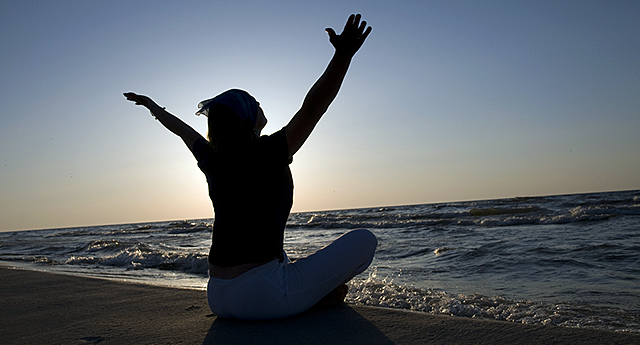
[(446, 101)]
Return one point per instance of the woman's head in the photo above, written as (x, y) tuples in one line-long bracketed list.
[(235, 118), (241, 102)]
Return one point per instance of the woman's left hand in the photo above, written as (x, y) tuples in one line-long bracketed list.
[(139, 99)]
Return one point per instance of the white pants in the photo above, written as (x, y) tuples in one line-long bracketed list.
[(281, 289)]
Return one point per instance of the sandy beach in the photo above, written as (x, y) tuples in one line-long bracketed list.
[(44, 308)]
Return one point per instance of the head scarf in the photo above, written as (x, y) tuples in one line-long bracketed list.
[(241, 102)]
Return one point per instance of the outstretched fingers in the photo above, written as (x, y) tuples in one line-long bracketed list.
[(356, 32), (132, 97), (363, 33), (138, 99), (352, 22), (357, 27)]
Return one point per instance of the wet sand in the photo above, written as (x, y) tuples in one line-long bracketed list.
[(44, 308)]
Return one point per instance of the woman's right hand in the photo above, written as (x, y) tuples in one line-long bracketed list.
[(352, 37)]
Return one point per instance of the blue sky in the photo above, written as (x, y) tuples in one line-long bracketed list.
[(446, 101)]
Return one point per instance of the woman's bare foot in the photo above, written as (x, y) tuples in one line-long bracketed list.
[(340, 293), (333, 298)]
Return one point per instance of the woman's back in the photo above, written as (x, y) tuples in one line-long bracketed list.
[(252, 195)]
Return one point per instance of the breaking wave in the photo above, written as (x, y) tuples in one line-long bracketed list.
[(383, 293)]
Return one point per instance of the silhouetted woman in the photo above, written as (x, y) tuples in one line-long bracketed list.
[(250, 185)]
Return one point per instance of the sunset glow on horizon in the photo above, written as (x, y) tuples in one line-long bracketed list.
[(446, 101)]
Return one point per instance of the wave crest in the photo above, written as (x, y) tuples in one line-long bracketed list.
[(383, 293)]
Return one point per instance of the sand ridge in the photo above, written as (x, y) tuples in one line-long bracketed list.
[(45, 308)]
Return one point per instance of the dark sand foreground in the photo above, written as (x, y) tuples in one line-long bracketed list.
[(43, 308)]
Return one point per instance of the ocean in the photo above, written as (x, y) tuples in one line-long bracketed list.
[(566, 260)]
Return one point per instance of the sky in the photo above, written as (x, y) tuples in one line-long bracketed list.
[(446, 101)]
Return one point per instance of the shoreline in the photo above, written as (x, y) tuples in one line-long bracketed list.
[(42, 307)]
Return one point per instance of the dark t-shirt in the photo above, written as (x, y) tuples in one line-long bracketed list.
[(252, 195)]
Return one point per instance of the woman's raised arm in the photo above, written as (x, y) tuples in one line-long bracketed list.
[(326, 88), (172, 123)]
